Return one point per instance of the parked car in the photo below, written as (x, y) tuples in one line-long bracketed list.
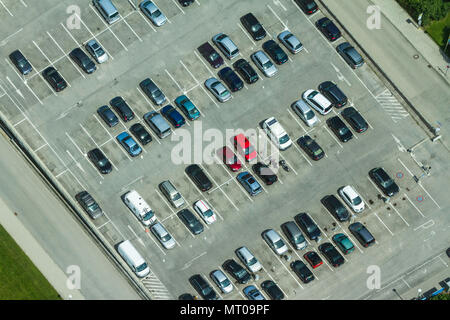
[(242, 144), (108, 116), (89, 205), (294, 235), (226, 45), (237, 271), (333, 256), (290, 41), (352, 198), (122, 108), (21, 63), (317, 101), (332, 92), (186, 296), (313, 259), (335, 207), (350, 55), (186, 3), (249, 183), (274, 241), (229, 158), (302, 271), (355, 119), (248, 259), (328, 28), (362, 234), (276, 133), (264, 64), (303, 110), (205, 211), (308, 6), (82, 60), (174, 117), (203, 288), (172, 194), (246, 71), (253, 26), (210, 55), (100, 160), (265, 173), (153, 13), (54, 79), (232, 80), (222, 281), (190, 220), (339, 128), (218, 89), (311, 147), (199, 177), (129, 144), (141, 133), (252, 293), (272, 290), (96, 51), (275, 52), (343, 243), (187, 107), (152, 91), (163, 235), (383, 181), (308, 226)]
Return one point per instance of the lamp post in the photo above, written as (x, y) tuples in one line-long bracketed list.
[(397, 293), (419, 291)]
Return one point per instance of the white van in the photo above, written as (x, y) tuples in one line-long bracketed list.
[(132, 257), (107, 10), (139, 207), (277, 133)]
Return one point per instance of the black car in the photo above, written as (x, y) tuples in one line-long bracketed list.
[(311, 147), (83, 61), (308, 226), (265, 173), (333, 256), (108, 116), (335, 207), (237, 271), (333, 93), (191, 221), (246, 71), (202, 287), (308, 6), (141, 133), (384, 182), (272, 290), (339, 128), (122, 108), (328, 28), (199, 177), (355, 119), (362, 234), (211, 55), (100, 161), (302, 271), (275, 52), (54, 78), (21, 63), (185, 3), (231, 79), (186, 296), (89, 205), (253, 26)]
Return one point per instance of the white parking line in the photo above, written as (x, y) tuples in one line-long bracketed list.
[(132, 30), (178, 6), (44, 145), (395, 209), (206, 66), (147, 231), (420, 212), (24, 119), (146, 20), (1, 2), (193, 77), (420, 184), (148, 101), (207, 280), (14, 69), (76, 162), (137, 237), (325, 127), (115, 140), (232, 282), (284, 25), (405, 167), (296, 120), (383, 224), (294, 143), (281, 262), (108, 27), (173, 79), (87, 133), (212, 99), (239, 25)]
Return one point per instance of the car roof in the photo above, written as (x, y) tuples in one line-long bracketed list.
[(261, 56), (350, 191), (203, 206), (272, 235)]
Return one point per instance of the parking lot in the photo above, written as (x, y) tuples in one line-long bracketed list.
[(60, 128)]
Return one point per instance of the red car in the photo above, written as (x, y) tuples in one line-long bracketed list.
[(313, 259), (242, 144), (229, 158)]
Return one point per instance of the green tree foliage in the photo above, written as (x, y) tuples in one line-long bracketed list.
[(441, 296), (431, 9)]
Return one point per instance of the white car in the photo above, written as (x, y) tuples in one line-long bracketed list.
[(205, 211), (248, 259), (305, 113), (222, 281), (264, 64), (163, 235), (352, 198), (274, 241), (277, 134), (290, 41), (153, 13), (96, 51), (317, 101), (218, 89)]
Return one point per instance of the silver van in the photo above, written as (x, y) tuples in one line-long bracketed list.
[(107, 10), (226, 45), (248, 259), (294, 235), (163, 235), (171, 193), (132, 257), (158, 124)]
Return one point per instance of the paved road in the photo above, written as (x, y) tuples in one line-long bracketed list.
[(56, 232)]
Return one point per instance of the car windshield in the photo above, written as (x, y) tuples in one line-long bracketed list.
[(213, 56), (167, 237), (22, 63), (156, 14), (177, 196), (134, 148), (240, 273), (142, 267), (312, 94), (317, 152), (148, 215), (299, 239), (356, 201), (279, 54), (208, 213), (267, 65), (93, 207), (278, 244), (256, 27), (341, 211), (99, 51), (225, 283), (343, 131), (157, 93), (252, 261), (387, 183), (284, 139), (251, 180), (309, 115), (249, 150)]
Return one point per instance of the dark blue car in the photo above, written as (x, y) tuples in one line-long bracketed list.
[(173, 116), (328, 28), (231, 79)]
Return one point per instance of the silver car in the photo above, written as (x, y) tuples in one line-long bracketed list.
[(163, 236), (218, 89), (172, 194), (274, 241), (96, 51), (248, 259), (290, 41), (264, 64), (222, 281), (153, 13), (305, 113)]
